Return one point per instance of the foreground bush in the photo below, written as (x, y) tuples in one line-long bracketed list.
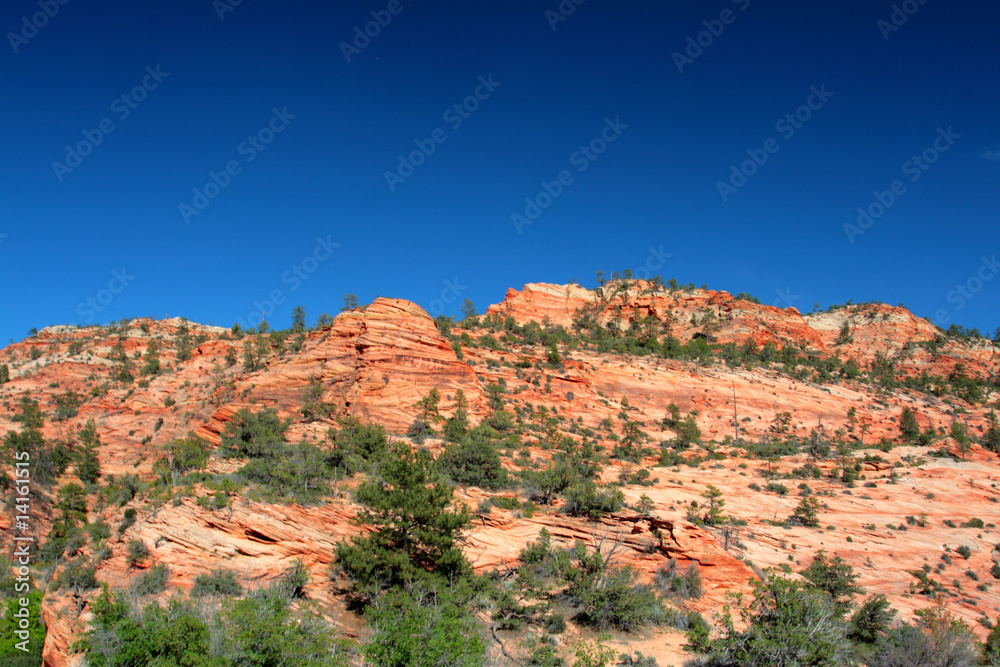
[(788, 624), (907, 645), (259, 630), (422, 629)]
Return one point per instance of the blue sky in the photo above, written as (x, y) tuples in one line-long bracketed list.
[(114, 117)]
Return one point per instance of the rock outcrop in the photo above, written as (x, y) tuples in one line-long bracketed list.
[(375, 363)]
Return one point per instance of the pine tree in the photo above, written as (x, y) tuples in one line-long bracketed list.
[(494, 396), (835, 577), (183, 342), (298, 319), (152, 357), (958, 434), (909, 429), (415, 531), (255, 351), (124, 372), (714, 515), (88, 466), (991, 439), (429, 406), (806, 512)]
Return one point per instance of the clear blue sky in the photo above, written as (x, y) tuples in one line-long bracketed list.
[(323, 175)]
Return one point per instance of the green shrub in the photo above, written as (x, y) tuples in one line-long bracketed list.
[(189, 453), (587, 499), (555, 624), (153, 581), (786, 624), (128, 519), (991, 648), (67, 405), (474, 461), (615, 601), (121, 490), (219, 582), (254, 435), (871, 620), (419, 431), (10, 654), (543, 654), (261, 630), (423, 630), (256, 631), (684, 585), (356, 446), (909, 645), (137, 552), (294, 580), (698, 632), (99, 530), (78, 575)]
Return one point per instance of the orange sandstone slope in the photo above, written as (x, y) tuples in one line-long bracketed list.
[(880, 329), (375, 363)]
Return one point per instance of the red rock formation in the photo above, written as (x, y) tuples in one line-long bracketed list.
[(376, 363)]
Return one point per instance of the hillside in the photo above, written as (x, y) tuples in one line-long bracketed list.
[(694, 386)]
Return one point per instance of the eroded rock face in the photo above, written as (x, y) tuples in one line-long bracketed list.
[(376, 363)]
